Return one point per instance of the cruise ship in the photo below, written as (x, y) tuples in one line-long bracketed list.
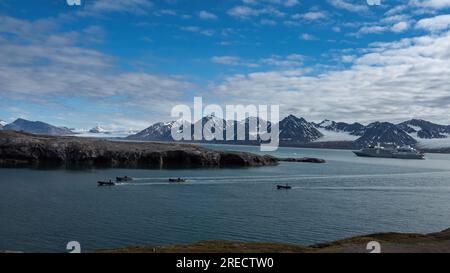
[(405, 152)]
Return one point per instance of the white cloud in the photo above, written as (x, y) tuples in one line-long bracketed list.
[(336, 29), (396, 10), (372, 29), (43, 70), (292, 60), (310, 16), (392, 81), (138, 7), (245, 12), (347, 58), (435, 4), (378, 29), (400, 27), (166, 12), (291, 3), (286, 3), (195, 29), (396, 18), (437, 23), (344, 4), (268, 22), (307, 37), (205, 15), (226, 60)]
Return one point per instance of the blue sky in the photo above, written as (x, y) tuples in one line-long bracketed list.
[(125, 64)]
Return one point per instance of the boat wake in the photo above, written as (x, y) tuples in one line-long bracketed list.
[(274, 179), (377, 188), (282, 177)]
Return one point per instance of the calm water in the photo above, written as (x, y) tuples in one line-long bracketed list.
[(41, 210)]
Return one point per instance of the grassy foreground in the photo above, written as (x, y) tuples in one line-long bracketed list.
[(390, 243)]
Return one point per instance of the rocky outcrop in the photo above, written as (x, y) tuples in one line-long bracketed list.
[(22, 149), (303, 159)]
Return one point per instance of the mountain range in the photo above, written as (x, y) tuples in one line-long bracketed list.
[(294, 131)]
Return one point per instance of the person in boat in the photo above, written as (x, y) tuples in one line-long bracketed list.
[(286, 187), (178, 180)]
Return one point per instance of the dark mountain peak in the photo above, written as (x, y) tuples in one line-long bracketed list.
[(159, 131), (354, 128), (326, 123), (248, 119), (259, 121), (378, 124), (385, 133), (298, 130), (420, 123), (417, 121), (295, 120), (36, 127), (212, 117), (425, 129)]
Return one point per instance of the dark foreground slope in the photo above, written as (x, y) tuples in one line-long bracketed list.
[(390, 243), (22, 149)]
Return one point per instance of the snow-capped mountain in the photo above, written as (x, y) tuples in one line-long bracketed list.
[(385, 132), (429, 135), (161, 131), (252, 126), (36, 127), (417, 132), (298, 130), (210, 123), (356, 128), (2, 124), (98, 130), (425, 129)]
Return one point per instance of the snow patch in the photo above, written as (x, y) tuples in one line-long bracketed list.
[(432, 143), (335, 136), (104, 134), (98, 130), (415, 128)]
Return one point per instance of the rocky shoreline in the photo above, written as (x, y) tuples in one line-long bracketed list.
[(18, 149), (303, 160)]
